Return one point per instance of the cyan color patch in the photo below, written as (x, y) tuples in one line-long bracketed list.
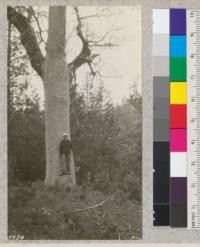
[(178, 46)]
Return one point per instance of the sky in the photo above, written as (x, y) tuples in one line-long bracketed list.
[(119, 66)]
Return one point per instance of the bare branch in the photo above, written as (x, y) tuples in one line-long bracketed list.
[(39, 27), (30, 13), (102, 13), (104, 45), (94, 206), (91, 69), (28, 39), (89, 16), (85, 54), (105, 34)]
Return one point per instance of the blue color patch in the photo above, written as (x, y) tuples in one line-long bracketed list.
[(177, 46)]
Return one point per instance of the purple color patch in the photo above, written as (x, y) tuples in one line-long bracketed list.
[(178, 189), (177, 22)]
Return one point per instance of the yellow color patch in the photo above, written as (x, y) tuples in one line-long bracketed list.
[(178, 93)]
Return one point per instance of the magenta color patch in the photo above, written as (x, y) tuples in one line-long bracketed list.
[(178, 140)]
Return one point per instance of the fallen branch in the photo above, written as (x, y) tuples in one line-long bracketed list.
[(94, 206), (96, 212)]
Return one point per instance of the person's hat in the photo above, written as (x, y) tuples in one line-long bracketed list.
[(65, 134)]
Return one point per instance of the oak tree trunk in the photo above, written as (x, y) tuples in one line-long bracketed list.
[(57, 79)]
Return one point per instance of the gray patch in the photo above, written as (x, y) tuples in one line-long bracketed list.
[(161, 130), (161, 87), (161, 108), (161, 66), (161, 45)]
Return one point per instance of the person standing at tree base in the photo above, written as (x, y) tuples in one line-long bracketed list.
[(65, 152)]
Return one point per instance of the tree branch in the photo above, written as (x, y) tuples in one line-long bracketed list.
[(28, 39), (39, 27), (89, 16), (91, 69), (94, 206), (104, 45), (97, 42), (85, 54), (30, 13)]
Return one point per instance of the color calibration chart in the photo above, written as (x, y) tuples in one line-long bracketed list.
[(176, 118)]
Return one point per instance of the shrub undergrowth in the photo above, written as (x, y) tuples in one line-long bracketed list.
[(38, 212)]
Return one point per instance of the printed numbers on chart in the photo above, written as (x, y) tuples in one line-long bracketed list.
[(16, 237)]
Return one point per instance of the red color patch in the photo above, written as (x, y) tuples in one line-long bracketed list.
[(178, 116)]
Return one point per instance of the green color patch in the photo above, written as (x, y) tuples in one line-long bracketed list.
[(178, 69)]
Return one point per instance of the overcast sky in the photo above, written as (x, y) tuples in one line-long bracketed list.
[(120, 66)]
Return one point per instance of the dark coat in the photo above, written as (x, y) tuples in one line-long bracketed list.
[(65, 147)]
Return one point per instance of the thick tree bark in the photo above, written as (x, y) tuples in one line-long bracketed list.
[(57, 80), (56, 77)]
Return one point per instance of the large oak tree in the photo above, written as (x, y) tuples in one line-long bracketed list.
[(56, 75)]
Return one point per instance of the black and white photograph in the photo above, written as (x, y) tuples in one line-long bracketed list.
[(74, 112)]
